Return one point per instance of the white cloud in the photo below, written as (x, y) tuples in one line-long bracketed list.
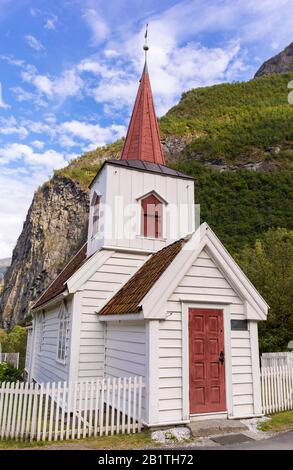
[(34, 12), (51, 22), (98, 26), (21, 94), (49, 159), (21, 131), (88, 65), (93, 133), (173, 69), (69, 83), (38, 144), (33, 42), (39, 127), (111, 54), (3, 105), (10, 126), (67, 141)]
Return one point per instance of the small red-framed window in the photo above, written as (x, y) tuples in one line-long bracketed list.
[(151, 217), (96, 214)]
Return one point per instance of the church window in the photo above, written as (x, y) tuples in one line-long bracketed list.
[(152, 209), (96, 214), (62, 333), (41, 331)]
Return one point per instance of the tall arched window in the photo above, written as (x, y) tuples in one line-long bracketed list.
[(41, 331), (151, 218), (62, 333), (96, 214)]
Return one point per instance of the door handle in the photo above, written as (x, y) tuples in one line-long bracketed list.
[(221, 357)]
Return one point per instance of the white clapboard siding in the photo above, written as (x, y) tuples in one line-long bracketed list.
[(103, 284), (58, 411), (204, 282), (131, 185), (125, 350), (46, 367), (277, 388)]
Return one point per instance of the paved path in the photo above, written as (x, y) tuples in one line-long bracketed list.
[(283, 441)]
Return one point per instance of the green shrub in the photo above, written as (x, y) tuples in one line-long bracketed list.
[(15, 342), (8, 373), (269, 265)]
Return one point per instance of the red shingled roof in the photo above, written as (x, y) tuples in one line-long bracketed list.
[(128, 298), (143, 137), (59, 284)]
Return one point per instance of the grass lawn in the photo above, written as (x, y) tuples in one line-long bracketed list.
[(121, 441), (279, 422)]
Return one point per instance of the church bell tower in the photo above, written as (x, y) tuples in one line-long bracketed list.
[(137, 202)]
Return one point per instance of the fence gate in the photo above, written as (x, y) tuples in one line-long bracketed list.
[(58, 411), (277, 359)]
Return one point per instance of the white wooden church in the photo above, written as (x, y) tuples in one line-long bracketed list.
[(152, 295)]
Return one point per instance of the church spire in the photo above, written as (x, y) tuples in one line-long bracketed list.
[(143, 136)]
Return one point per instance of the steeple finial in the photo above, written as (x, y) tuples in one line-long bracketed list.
[(145, 46), (143, 136)]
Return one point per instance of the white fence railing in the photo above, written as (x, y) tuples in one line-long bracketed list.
[(10, 358), (277, 388), (70, 411), (277, 359)]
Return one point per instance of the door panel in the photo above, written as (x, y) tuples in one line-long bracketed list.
[(206, 372)]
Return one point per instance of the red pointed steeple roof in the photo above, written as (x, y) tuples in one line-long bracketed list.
[(143, 136)]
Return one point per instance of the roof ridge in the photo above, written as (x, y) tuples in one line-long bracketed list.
[(42, 299)]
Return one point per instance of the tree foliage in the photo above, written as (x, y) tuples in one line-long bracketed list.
[(235, 121), (14, 342), (242, 205), (269, 265)]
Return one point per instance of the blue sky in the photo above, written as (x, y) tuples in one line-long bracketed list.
[(69, 71)]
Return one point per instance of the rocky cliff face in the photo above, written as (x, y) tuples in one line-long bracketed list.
[(55, 227), (280, 63)]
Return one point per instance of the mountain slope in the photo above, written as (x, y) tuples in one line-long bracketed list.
[(236, 127), (280, 63), (236, 123), (228, 126)]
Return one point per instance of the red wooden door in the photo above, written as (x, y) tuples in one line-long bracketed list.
[(206, 361)]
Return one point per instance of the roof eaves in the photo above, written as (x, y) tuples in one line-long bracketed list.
[(51, 302)]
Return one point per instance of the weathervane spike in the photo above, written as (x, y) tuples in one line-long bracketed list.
[(145, 46)]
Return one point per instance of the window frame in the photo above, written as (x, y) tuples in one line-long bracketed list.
[(41, 331), (239, 325), (63, 329), (96, 213), (158, 216)]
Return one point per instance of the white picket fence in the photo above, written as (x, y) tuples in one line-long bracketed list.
[(277, 359), (277, 388), (70, 411)]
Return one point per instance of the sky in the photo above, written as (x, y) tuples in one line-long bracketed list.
[(69, 72)]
